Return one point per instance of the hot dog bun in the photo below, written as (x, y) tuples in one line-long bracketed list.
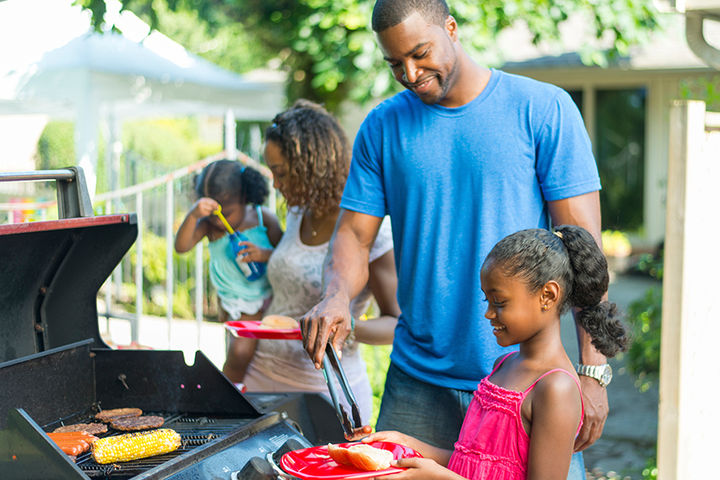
[(279, 321), (361, 456), (339, 454)]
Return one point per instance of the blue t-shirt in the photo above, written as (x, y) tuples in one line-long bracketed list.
[(455, 181)]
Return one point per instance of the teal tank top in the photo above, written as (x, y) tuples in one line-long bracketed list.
[(226, 277)]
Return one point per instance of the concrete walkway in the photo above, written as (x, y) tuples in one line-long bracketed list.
[(630, 432)]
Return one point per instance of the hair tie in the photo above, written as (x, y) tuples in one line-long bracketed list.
[(558, 234)]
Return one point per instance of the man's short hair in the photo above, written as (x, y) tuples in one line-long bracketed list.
[(388, 13)]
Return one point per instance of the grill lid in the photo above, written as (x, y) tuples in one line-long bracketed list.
[(51, 273)]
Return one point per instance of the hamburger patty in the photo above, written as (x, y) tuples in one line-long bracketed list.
[(109, 415), (137, 423), (91, 428)]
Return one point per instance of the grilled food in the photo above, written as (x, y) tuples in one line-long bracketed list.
[(279, 321), (108, 415), (143, 422), (133, 446), (361, 456), (73, 443), (91, 428)]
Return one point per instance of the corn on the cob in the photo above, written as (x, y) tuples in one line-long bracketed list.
[(132, 446)]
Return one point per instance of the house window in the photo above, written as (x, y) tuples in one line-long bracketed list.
[(577, 97), (620, 151)]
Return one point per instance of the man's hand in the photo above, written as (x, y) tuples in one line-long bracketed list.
[(596, 411), (359, 433), (328, 319)]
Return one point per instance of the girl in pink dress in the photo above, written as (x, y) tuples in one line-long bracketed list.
[(523, 419)]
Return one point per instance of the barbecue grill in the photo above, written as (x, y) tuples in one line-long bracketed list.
[(56, 370)]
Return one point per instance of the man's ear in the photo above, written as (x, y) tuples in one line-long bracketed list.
[(451, 27), (550, 294)]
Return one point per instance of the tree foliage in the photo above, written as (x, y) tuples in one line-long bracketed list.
[(330, 54)]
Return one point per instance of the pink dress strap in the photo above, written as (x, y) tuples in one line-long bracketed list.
[(500, 363), (577, 382)]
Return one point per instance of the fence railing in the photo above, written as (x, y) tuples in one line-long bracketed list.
[(159, 208)]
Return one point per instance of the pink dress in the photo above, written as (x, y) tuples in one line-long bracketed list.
[(493, 443)]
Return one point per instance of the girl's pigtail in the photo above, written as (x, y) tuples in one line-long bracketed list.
[(601, 320), (254, 186)]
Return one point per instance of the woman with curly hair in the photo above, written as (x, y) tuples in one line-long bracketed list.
[(309, 155)]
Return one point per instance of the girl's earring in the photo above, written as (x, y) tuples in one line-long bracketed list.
[(544, 308)]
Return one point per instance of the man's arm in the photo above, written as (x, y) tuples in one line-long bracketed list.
[(584, 211), (344, 276)]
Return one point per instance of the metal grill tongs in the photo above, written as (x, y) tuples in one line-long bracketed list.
[(350, 426)]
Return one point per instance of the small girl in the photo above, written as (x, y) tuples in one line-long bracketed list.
[(239, 191), (524, 416)]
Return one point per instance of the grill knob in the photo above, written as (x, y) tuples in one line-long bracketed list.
[(256, 469), (289, 446)]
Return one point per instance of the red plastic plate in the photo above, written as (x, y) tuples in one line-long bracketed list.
[(252, 329), (315, 463)]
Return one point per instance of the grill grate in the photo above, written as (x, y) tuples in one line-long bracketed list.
[(195, 431)]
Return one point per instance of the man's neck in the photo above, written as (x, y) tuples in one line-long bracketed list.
[(472, 80)]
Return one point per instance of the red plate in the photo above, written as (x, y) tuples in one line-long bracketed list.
[(315, 463), (252, 329)]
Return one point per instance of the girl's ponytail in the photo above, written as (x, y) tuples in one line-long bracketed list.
[(603, 323), (254, 186), (601, 320)]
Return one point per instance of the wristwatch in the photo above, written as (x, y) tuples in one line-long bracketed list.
[(601, 373)]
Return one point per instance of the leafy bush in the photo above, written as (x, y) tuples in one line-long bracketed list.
[(643, 357), (616, 243), (165, 142), (645, 318), (377, 359), (704, 88), (154, 278), (56, 146)]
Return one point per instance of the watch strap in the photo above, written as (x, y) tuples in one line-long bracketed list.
[(594, 371)]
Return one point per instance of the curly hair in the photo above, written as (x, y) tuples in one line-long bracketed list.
[(317, 152), (228, 179), (573, 259)]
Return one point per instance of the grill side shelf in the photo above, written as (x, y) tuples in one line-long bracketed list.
[(29, 453)]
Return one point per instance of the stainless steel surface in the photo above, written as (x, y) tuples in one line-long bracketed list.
[(37, 175)]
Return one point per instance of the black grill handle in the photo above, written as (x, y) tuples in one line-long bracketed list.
[(72, 194)]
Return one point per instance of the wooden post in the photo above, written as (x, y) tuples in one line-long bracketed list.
[(689, 419)]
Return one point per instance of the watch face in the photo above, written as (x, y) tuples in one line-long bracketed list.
[(607, 375)]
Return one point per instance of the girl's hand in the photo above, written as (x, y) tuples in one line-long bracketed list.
[(420, 468), (430, 452), (204, 207), (391, 436), (249, 252)]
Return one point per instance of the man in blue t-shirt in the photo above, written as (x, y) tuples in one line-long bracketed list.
[(465, 156)]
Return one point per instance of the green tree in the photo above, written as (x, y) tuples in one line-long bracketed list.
[(330, 54)]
